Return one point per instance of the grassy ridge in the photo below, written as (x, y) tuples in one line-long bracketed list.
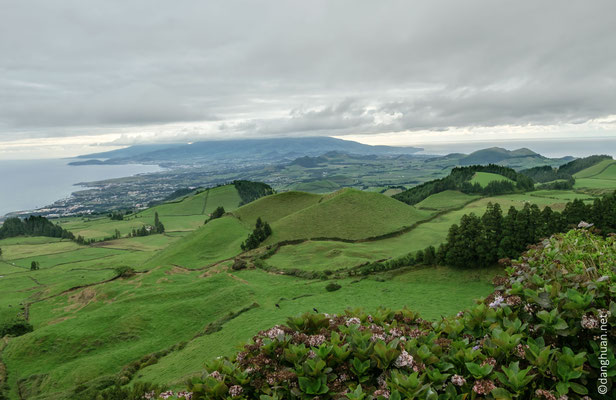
[(484, 178), (272, 208), (347, 214), (185, 214), (594, 170), (217, 240), (599, 176), (202, 203), (445, 200), (331, 255)]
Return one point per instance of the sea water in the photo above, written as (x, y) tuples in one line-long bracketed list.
[(30, 184)]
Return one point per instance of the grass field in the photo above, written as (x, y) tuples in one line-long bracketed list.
[(599, 176), (594, 170), (183, 215), (88, 326), (319, 255), (217, 240), (156, 310), (201, 204), (484, 178), (272, 208), (446, 200)]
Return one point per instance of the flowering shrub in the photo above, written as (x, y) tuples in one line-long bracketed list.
[(536, 337)]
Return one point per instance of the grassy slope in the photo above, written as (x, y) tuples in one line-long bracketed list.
[(329, 255), (420, 289), (594, 170), (186, 214), (445, 200), (95, 331), (484, 178), (599, 176), (348, 214), (200, 204), (272, 208), (153, 311), (217, 240)]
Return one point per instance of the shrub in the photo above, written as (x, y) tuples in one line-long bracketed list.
[(239, 264), (534, 337), (124, 271), (332, 287), (15, 327), (217, 213)]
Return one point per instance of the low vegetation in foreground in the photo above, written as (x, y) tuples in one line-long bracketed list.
[(542, 334)]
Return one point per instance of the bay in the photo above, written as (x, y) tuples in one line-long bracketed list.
[(30, 184)]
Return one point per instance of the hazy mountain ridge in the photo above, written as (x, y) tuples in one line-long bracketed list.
[(252, 149)]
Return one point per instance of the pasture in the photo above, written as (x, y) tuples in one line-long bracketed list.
[(186, 301)]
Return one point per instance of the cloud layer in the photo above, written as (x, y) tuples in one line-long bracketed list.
[(246, 68)]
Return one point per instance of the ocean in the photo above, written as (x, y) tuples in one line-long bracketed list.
[(30, 184)]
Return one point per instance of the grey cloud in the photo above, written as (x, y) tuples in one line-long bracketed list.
[(291, 67)]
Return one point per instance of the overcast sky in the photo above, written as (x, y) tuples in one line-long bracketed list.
[(74, 74)]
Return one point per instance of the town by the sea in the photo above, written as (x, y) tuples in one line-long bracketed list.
[(31, 184)]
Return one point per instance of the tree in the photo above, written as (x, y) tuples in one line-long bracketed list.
[(429, 255), (158, 226), (261, 232), (492, 222), (34, 266)]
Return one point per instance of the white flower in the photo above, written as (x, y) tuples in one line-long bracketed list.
[(235, 390), (589, 322), (275, 333), (497, 301), (404, 360), (216, 375), (458, 380), (316, 340)]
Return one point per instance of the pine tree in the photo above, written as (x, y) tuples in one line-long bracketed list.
[(430, 255), (492, 222)]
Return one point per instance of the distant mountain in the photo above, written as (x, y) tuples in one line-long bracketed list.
[(495, 155), (245, 149), (131, 151)]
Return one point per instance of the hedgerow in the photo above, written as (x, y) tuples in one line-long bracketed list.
[(539, 335)]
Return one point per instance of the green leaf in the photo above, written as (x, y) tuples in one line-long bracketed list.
[(577, 388), (501, 394), (562, 388), (478, 371)]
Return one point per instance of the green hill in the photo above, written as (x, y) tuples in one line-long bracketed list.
[(599, 176), (217, 240), (494, 155), (484, 178), (202, 203), (595, 170), (445, 200), (347, 214), (488, 180), (184, 214), (274, 207)]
